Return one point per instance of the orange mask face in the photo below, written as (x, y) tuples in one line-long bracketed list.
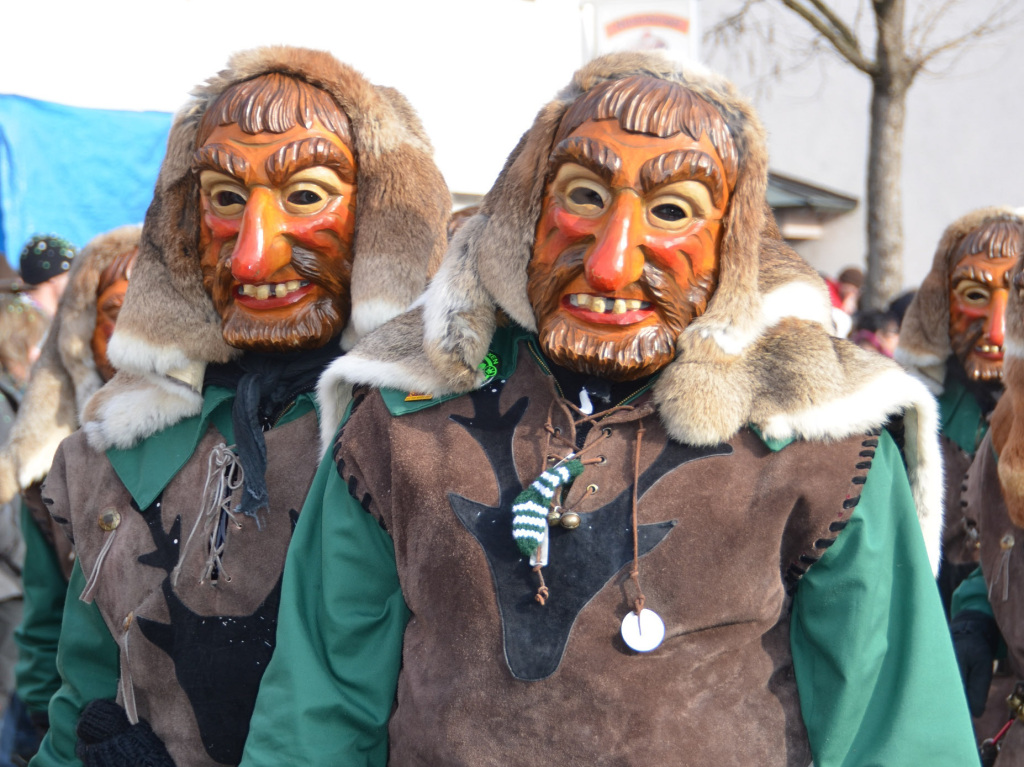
[(278, 216), (979, 289), (626, 249), (108, 306)]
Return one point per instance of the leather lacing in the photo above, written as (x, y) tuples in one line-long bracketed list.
[(555, 435), (224, 474)]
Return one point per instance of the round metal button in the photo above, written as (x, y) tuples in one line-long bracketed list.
[(1006, 542), (109, 519)]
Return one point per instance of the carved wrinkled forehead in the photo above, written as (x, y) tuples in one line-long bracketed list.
[(274, 103), (657, 107), (1000, 237)]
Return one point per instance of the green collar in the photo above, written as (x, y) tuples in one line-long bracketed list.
[(961, 417), (500, 363), (147, 469)]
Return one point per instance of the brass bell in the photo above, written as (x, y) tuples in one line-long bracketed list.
[(570, 520), (554, 516)]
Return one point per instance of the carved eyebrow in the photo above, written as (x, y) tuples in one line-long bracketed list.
[(219, 158), (309, 153), (683, 165), (592, 155), (983, 276)]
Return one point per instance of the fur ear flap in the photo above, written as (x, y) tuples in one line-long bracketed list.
[(731, 317), (403, 206), (512, 206), (155, 334), (458, 314)]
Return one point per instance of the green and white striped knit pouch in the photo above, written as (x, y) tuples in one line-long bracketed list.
[(530, 508)]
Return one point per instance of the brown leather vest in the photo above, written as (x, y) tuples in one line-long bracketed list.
[(214, 630), (1002, 561), (492, 677)]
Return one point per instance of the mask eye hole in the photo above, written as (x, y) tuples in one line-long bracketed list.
[(973, 293), (585, 197), (306, 198), (669, 212)]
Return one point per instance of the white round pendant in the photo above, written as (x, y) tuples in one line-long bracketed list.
[(643, 632)]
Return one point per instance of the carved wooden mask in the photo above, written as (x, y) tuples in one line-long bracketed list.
[(278, 196)]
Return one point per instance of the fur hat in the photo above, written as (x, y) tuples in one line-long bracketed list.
[(761, 354), (924, 335), (169, 330), (64, 377)]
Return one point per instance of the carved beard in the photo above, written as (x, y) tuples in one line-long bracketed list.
[(975, 368), (309, 326), (580, 347)]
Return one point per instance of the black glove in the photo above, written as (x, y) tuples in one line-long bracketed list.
[(107, 739), (975, 638)]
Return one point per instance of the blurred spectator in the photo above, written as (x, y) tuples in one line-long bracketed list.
[(899, 305), (72, 366), (44, 265), (22, 328), (876, 330), (845, 294)]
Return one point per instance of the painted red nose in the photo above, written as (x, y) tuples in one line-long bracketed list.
[(995, 325), (616, 259), (261, 248)]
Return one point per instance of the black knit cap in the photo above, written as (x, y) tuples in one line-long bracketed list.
[(44, 257)]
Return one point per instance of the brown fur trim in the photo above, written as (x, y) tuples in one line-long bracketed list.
[(924, 334), (64, 377), (168, 322)]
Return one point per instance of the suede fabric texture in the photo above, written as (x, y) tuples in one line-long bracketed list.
[(761, 354), (1002, 543), (210, 642), (959, 534), (737, 527), (168, 329), (64, 377)]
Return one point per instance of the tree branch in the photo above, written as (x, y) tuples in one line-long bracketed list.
[(849, 51), (994, 22)]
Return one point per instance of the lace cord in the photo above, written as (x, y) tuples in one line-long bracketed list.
[(224, 475), (634, 573), (89, 592)]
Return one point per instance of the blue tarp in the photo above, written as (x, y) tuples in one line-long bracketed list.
[(74, 172)]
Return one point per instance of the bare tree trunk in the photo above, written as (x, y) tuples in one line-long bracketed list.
[(890, 82), (884, 198)]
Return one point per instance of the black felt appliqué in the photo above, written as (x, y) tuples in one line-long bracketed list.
[(583, 561), (219, 660)]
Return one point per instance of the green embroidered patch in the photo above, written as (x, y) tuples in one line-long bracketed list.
[(490, 367)]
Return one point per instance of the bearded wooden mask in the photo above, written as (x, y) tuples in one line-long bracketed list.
[(978, 292), (627, 246), (278, 192)]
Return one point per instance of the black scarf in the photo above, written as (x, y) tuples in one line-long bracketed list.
[(265, 385), (985, 393)]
